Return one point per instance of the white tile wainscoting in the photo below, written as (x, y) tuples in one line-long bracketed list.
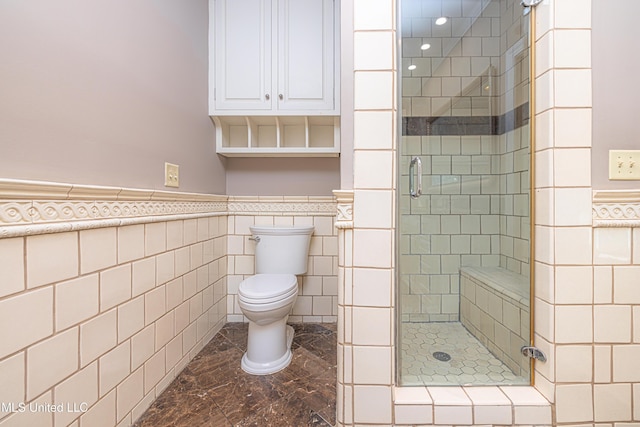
[(109, 292)]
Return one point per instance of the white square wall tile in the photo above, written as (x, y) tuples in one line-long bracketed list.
[(130, 318), (373, 90), (373, 209), (97, 249), (114, 367), (574, 403), (12, 266), (372, 287), (572, 48), (155, 238), (142, 344), (612, 324), (50, 361), (612, 402), (612, 246), (51, 258), (373, 50), (79, 389), (574, 363), (33, 311), (573, 285), (372, 365), (572, 14), (76, 301), (413, 414), (573, 245), (372, 171), (544, 57), (373, 15), (372, 404), (493, 414), (572, 87), (572, 206), (574, 324), (115, 286), (12, 374), (625, 284), (130, 243), (129, 393), (572, 167), (143, 276), (544, 92), (625, 363), (97, 336), (567, 134), (372, 248), (103, 413), (372, 326), (373, 130)]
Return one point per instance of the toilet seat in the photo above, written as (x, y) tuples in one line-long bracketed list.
[(267, 288)]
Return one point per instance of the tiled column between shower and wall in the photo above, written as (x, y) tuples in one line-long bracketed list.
[(587, 313)]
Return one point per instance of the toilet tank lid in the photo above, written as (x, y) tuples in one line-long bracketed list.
[(282, 231)]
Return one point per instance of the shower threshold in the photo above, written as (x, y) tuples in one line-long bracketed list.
[(470, 363)]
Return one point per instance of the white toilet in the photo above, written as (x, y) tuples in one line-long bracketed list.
[(267, 297)]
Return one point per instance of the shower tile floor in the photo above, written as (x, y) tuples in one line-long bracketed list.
[(470, 364), (214, 391)]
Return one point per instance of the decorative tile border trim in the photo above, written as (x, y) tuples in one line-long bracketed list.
[(286, 205), (616, 208), (33, 207), (15, 189)]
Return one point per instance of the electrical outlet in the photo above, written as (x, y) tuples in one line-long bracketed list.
[(171, 175), (624, 164)]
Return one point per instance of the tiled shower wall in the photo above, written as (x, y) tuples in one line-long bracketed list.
[(475, 208), (318, 293), (103, 303)]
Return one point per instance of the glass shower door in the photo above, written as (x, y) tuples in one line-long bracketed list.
[(463, 251)]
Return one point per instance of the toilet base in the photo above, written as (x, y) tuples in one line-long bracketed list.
[(259, 364)]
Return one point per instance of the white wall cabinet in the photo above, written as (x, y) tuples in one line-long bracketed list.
[(273, 59)]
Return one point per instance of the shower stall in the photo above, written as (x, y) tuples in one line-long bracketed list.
[(463, 222)]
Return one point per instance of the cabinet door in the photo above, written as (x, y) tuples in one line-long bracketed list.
[(306, 55), (243, 54)]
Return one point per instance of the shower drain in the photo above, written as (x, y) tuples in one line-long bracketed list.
[(442, 356)]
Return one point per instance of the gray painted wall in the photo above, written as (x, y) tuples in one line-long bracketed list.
[(104, 92), (616, 92)]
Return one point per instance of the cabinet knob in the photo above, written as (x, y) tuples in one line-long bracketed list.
[(280, 97), (266, 96)]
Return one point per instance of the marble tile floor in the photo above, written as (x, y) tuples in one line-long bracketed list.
[(470, 364), (213, 390)]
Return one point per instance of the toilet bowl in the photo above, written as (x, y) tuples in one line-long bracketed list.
[(266, 298)]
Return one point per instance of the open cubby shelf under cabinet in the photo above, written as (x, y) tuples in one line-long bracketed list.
[(295, 136)]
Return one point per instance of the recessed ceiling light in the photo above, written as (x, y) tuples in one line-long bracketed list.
[(425, 46), (441, 21), (412, 67)]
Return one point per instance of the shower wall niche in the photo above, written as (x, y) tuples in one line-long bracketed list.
[(465, 110)]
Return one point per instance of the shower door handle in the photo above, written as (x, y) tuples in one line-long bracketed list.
[(415, 190)]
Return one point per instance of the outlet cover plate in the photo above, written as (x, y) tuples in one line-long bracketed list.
[(171, 175)]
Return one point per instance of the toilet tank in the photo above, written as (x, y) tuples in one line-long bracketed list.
[(282, 249)]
